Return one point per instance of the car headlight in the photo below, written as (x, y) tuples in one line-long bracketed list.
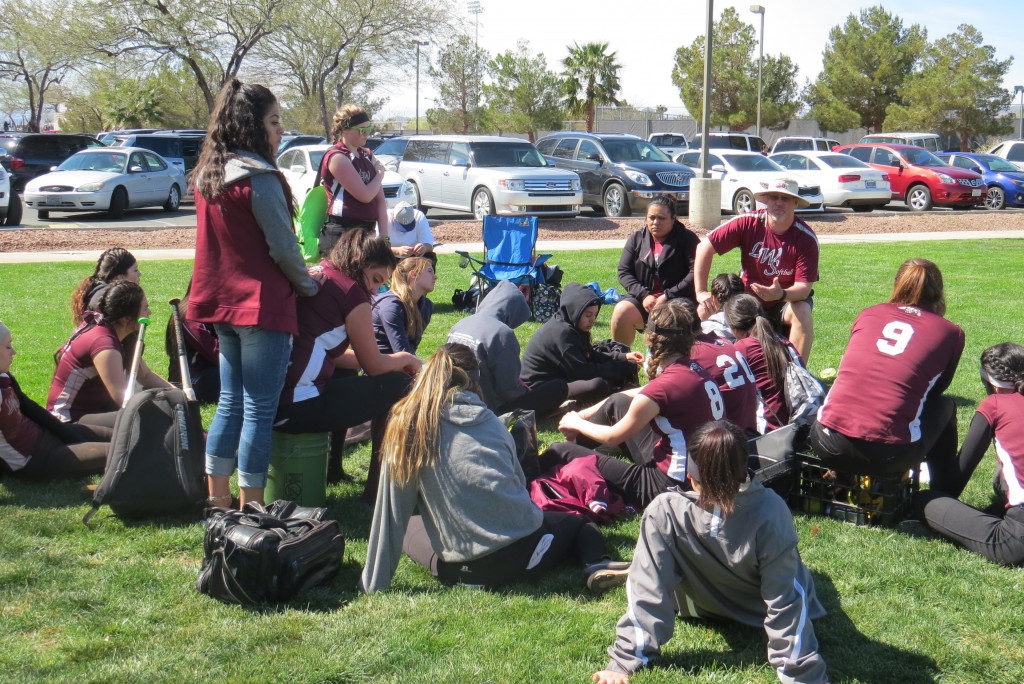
[(576, 184), (946, 179), (512, 185), (89, 187), (638, 177), (1018, 183)]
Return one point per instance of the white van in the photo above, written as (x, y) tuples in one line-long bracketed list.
[(671, 144), (929, 141)]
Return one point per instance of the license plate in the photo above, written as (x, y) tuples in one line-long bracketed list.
[(976, 192), (53, 200), (869, 184)]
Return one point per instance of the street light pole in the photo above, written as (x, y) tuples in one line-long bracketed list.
[(759, 9), (419, 43), (1020, 89), (474, 7)]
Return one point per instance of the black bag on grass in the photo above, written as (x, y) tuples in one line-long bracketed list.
[(773, 458), (155, 463), (265, 554)]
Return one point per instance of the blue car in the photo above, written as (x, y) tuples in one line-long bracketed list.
[(1004, 179)]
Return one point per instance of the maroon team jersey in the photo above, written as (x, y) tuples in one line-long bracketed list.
[(727, 365), (791, 257), (77, 389), (341, 203), (772, 411), (896, 357), (687, 397), (1005, 413), (322, 335)]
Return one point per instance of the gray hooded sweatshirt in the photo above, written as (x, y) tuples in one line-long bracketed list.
[(490, 334)]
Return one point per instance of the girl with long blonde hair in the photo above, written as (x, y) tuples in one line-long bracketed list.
[(449, 459), (401, 314)]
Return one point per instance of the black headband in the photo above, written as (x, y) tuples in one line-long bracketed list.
[(659, 330), (360, 118)]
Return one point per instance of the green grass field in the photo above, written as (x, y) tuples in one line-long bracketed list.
[(116, 602)]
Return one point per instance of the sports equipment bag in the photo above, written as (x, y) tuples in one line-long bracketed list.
[(804, 394), (265, 554)]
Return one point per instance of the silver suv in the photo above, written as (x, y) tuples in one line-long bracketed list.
[(487, 175)]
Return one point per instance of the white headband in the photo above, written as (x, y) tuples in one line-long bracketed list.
[(1001, 384)]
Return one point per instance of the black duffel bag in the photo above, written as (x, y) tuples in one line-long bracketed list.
[(265, 554)]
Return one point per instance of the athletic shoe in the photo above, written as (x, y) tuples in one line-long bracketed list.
[(604, 575)]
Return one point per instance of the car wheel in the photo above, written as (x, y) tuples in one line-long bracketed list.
[(996, 198), (863, 207), (43, 214), (14, 210), (118, 203), (743, 202), (919, 198), (483, 204), (173, 199), (615, 202)]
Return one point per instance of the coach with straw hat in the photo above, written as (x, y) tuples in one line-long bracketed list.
[(779, 259)]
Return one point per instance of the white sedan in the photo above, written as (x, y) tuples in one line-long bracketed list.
[(300, 164), (744, 173), (844, 180), (107, 179)]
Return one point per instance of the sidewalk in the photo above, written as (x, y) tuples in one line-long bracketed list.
[(542, 245)]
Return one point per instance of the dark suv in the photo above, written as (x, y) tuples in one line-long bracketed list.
[(619, 173), (32, 155)]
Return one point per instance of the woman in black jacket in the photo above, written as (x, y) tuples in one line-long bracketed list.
[(562, 350), (656, 265)]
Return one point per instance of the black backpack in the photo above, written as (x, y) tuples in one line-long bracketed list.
[(264, 554), (156, 464)]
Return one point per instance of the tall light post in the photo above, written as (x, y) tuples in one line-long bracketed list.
[(419, 43), (759, 9), (1020, 89), (474, 7)]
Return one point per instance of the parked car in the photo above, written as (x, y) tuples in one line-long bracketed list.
[(744, 173), (391, 150), (10, 202), (844, 181), (796, 143), (1010, 150), (620, 174), (111, 179), (300, 165), (32, 155), (669, 143), (929, 141), (919, 178), (487, 175), (291, 140), (110, 137), (181, 150), (729, 140), (1004, 179)]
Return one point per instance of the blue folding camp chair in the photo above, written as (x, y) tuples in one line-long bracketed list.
[(509, 254)]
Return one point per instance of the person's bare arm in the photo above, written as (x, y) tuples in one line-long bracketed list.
[(346, 174), (701, 269)]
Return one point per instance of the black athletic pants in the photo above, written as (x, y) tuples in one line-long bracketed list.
[(57, 457), (638, 485), (560, 535), (999, 538), (543, 399)]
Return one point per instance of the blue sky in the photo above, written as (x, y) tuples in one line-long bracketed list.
[(646, 33)]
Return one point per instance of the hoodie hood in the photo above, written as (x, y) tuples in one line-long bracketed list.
[(466, 410), (575, 300), (506, 303), (242, 164)]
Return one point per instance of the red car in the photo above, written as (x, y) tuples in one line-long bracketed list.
[(919, 178)]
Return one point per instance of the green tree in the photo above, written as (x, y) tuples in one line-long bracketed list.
[(957, 90), (590, 79), (866, 63), (458, 77), (524, 94), (734, 77), (37, 48)]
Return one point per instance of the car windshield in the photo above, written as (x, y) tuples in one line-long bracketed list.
[(921, 157), (999, 164), (495, 154), (111, 162), (623, 151), (841, 161), (752, 162)]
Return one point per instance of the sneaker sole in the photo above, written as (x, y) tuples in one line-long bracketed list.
[(603, 580)]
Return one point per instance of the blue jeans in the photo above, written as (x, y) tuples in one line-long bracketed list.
[(252, 367)]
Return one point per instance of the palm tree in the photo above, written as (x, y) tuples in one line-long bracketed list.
[(591, 78)]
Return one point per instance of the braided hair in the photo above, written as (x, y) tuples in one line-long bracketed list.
[(1003, 364), (669, 334), (112, 264)]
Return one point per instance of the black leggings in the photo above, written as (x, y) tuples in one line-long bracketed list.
[(937, 447), (638, 485), (591, 391), (999, 538), (558, 537), (83, 451), (543, 399)]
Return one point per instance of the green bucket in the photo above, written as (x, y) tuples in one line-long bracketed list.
[(298, 468)]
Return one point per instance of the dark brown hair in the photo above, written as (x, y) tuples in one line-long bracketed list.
[(112, 263), (1004, 362), (719, 450), (357, 250), (744, 313), (669, 333)]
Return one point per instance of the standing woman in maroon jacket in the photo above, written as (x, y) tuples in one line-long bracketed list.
[(248, 271)]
